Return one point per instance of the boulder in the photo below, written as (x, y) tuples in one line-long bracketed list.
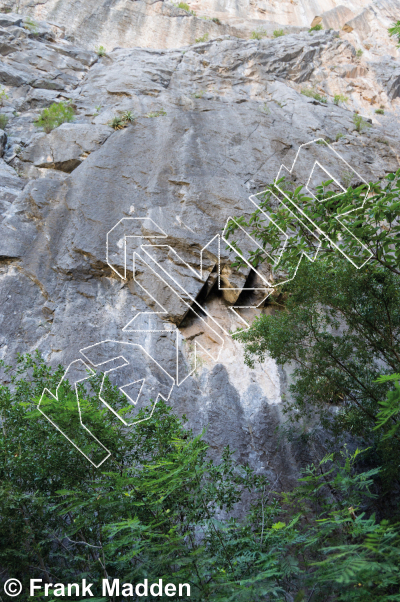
[(66, 147)]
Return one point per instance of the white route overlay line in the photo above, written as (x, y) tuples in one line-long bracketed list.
[(193, 304)]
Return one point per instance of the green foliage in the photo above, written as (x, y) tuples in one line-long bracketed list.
[(359, 53), (258, 34), (360, 123), (340, 328), (339, 135), (31, 25), (203, 38), (277, 33), (117, 123), (55, 115), (216, 20), (317, 27), (3, 95), (160, 508), (395, 31), (340, 98), (100, 51), (186, 7), (160, 113), (380, 111), (128, 117), (3, 121), (314, 94)]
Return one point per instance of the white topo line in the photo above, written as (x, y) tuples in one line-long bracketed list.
[(136, 227)]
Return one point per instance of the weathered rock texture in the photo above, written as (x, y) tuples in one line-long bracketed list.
[(160, 24), (215, 121)]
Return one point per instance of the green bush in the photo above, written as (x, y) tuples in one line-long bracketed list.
[(203, 38), (315, 95), (340, 98), (380, 111), (395, 31), (317, 27), (161, 509), (100, 51), (55, 115), (258, 34), (360, 123), (216, 20), (359, 53), (278, 33), (3, 95), (3, 121), (31, 25), (339, 135), (186, 7)]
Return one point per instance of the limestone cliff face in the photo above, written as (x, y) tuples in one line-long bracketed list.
[(214, 122), (160, 24)]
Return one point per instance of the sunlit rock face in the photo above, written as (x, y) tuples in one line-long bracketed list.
[(213, 123), (160, 24)]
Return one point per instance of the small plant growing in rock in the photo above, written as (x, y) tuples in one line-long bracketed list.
[(55, 115), (316, 27), (340, 98), (216, 20), (359, 53), (313, 94), (347, 177), (380, 111), (395, 31), (198, 94), (3, 121), (360, 123), (277, 33), (100, 51), (117, 123), (203, 38), (128, 117), (186, 7), (3, 95), (159, 113), (258, 34), (31, 25), (266, 109), (339, 135)]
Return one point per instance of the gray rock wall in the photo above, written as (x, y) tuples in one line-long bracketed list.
[(214, 122)]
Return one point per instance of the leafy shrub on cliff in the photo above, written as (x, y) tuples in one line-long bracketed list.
[(395, 31), (339, 326), (186, 7), (3, 95), (314, 94), (203, 38), (100, 51), (360, 123), (3, 121), (317, 27), (338, 98), (55, 115)]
